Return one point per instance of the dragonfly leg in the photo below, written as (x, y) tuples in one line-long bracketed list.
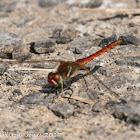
[(58, 93), (85, 83), (70, 94), (69, 71), (61, 86)]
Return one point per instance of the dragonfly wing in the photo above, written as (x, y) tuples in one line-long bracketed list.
[(8, 61), (57, 61), (101, 82), (29, 61)]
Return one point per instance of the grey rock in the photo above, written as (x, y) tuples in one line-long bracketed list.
[(43, 46), (59, 138), (10, 7), (12, 82), (8, 41), (77, 51), (122, 112), (98, 107), (94, 3), (92, 94), (64, 35), (1, 94), (129, 39), (129, 60), (21, 56), (86, 34), (131, 24), (96, 131), (107, 40), (84, 22), (15, 78), (134, 118), (36, 98), (110, 105), (63, 109), (103, 71), (48, 3), (3, 68), (83, 43), (21, 53), (138, 79), (2, 6), (7, 7), (129, 112), (21, 22), (16, 92), (126, 39), (128, 98), (138, 3)]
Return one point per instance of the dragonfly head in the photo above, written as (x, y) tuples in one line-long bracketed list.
[(54, 79)]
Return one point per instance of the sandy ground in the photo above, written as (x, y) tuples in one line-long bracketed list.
[(68, 30)]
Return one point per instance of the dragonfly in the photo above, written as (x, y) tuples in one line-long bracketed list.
[(67, 68)]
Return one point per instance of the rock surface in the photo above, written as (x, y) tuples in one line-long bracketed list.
[(43, 46), (64, 35), (129, 112), (63, 110), (8, 41), (62, 30)]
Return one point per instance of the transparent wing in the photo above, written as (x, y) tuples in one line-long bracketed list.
[(14, 61)]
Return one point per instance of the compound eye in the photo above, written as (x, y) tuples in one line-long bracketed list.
[(52, 82), (56, 77), (53, 79), (50, 75)]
